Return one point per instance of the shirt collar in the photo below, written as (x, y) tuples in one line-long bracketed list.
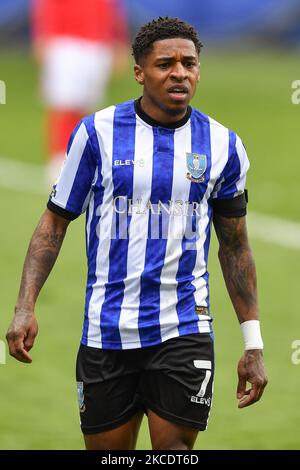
[(152, 122)]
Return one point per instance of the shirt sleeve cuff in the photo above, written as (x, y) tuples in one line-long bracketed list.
[(60, 211)]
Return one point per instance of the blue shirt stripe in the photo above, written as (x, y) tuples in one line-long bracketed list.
[(84, 176)]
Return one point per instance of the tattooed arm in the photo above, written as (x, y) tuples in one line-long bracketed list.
[(43, 250), (239, 272)]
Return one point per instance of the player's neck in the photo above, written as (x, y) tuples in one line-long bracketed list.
[(156, 117)]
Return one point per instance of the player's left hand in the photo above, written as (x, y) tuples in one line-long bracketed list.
[(251, 369)]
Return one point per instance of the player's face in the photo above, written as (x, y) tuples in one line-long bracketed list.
[(169, 74)]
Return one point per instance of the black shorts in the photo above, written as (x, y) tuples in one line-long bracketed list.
[(173, 379)]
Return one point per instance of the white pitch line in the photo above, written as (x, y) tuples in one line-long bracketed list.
[(274, 230), (30, 178), (22, 177)]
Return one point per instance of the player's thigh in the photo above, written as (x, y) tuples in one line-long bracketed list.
[(123, 437), (177, 384), (107, 383), (166, 435)]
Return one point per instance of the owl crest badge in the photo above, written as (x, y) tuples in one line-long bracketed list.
[(196, 164)]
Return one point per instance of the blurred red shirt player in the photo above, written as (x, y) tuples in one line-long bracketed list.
[(74, 41)]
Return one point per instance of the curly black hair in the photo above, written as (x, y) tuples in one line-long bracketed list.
[(162, 28)]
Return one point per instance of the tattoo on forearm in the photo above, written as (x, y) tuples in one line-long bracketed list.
[(237, 261), (41, 256)]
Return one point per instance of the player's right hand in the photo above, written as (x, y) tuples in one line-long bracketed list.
[(21, 335)]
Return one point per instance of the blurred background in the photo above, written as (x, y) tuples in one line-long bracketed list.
[(249, 68)]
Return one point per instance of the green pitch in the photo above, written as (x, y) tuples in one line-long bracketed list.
[(38, 408)]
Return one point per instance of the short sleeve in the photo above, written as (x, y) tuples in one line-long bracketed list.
[(232, 180), (70, 195)]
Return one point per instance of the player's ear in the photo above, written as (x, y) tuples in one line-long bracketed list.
[(139, 74)]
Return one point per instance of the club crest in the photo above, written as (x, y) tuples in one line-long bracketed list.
[(80, 397), (196, 164)]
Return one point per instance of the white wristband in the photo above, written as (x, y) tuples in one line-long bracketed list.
[(252, 335)]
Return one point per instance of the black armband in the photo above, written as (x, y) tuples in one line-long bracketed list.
[(60, 211), (234, 207)]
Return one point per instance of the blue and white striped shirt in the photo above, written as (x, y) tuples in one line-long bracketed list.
[(148, 194)]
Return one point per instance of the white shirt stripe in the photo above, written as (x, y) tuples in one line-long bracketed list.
[(88, 224), (244, 162)]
